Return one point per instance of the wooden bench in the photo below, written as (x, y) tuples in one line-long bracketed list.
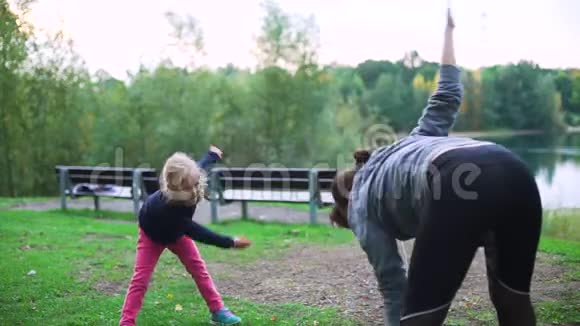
[(114, 182), (310, 186)]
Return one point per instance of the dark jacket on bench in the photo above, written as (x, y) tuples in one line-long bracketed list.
[(165, 223)]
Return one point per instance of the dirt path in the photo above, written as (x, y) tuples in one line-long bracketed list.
[(202, 213), (340, 277)]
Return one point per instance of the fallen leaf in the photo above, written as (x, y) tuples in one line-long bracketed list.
[(169, 295), (178, 307), (31, 273), (274, 318), (294, 232)]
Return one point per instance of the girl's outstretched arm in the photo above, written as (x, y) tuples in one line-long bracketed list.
[(439, 115), (200, 233), (213, 155)]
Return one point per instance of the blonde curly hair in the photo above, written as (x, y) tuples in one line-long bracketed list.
[(182, 181)]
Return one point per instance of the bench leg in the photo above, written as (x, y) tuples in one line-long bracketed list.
[(313, 212), (136, 191), (97, 203), (313, 194), (214, 196), (244, 210), (136, 202), (214, 210), (62, 188)]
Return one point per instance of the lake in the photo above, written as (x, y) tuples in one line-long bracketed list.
[(555, 161)]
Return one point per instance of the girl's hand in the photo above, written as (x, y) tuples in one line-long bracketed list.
[(216, 150), (242, 243)]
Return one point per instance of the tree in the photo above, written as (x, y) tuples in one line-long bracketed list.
[(288, 110), (563, 82), (392, 100), (287, 92), (187, 37), (370, 71), (574, 100), (471, 115), (13, 37), (521, 97), (286, 41)]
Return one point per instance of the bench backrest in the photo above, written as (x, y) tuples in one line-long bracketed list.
[(122, 177), (262, 179), (150, 181), (325, 178), (276, 179)]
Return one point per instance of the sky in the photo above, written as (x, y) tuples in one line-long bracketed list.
[(120, 35)]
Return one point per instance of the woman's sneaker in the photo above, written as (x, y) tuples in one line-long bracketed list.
[(224, 317)]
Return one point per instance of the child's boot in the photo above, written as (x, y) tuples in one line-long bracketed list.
[(224, 317)]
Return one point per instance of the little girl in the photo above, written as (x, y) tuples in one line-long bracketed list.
[(165, 221)]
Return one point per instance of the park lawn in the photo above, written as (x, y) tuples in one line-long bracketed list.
[(82, 265), (565, 311), (7, 202), (562, 224), (297, 206)]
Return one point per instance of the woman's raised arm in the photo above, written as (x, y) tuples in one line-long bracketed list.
[(439, 115)]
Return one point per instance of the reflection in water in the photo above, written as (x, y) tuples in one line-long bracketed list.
[(560, 187), (555, 161)]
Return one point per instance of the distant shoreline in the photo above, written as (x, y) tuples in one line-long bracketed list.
[(496, 133), (502, 133)]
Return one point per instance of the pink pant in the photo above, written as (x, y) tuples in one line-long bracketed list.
[(148, 253)]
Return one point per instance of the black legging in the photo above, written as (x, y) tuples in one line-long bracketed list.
[(506, 217)]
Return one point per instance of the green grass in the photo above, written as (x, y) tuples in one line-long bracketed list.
[(76, 251), (569, 250), (104, 214), (296, 206), (270, 238), (561, 237), (565, 311), (7, 202), (562, 224), (73, 256), (98, 215), (456, 322)]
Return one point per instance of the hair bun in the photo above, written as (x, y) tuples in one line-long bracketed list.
[(361, 157)]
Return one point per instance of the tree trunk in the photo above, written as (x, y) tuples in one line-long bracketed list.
[(4, 136)]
